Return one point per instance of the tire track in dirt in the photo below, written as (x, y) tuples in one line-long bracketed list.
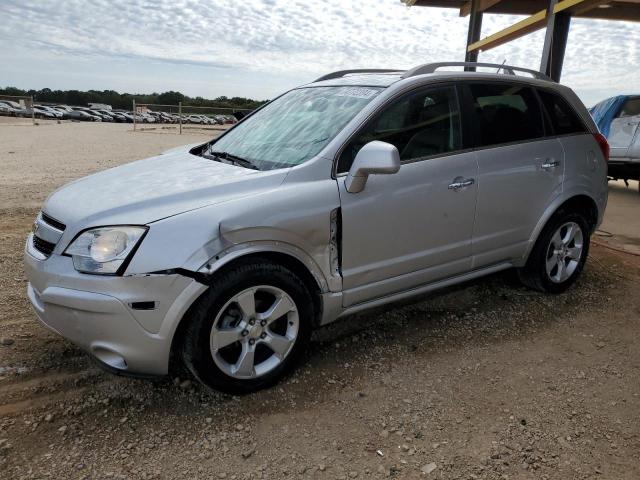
[(40, 401)]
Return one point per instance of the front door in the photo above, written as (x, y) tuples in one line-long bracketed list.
[(413, 227)]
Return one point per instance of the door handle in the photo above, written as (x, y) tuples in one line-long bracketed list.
[(460, 182), (549, 164)]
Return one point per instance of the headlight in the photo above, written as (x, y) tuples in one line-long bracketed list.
[(104, 250)]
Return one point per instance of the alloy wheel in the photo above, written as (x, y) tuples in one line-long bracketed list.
[(564, 252), (254, 332)]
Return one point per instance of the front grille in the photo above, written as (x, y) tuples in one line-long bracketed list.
[(43, 246), (47, 232), (53, 222)]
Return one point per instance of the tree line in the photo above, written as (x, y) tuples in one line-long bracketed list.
[(125, 100)]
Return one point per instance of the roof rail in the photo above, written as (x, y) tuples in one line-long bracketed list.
[(342, 73), (508, 69)]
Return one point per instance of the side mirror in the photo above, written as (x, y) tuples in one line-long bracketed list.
[(374, 158)]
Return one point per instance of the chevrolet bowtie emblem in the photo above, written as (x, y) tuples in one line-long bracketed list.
[(35, 227)]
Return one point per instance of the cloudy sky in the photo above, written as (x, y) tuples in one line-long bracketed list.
[(258, 48)]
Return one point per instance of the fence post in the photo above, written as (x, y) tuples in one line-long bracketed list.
[(180, 115), (134, 114), (33, 114)]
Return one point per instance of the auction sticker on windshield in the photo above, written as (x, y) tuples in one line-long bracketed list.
[(357, 92)]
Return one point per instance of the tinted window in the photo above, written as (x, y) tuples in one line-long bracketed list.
[(506, 113), (631, 108), (421, 124), (562, 117)]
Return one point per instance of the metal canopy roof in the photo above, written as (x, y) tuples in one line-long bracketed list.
[(628, 10)]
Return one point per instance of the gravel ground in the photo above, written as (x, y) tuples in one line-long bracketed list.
[(488, 380)]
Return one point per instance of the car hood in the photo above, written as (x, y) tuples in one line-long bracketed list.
[(148, 190)]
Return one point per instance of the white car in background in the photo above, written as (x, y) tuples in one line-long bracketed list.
[(619, 120), (51, 110)]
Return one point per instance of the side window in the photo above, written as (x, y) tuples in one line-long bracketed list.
[(631, 108), (562, 117), (421, 124), (505, 113)]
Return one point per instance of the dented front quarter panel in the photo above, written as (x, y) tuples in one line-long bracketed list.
[(293, 218)]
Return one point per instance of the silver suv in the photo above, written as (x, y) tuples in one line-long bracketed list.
[(359, 189)]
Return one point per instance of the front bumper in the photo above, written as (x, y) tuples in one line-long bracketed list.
[(99, 313)]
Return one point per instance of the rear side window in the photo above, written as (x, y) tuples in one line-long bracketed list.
[(505, 113), (564, 120)]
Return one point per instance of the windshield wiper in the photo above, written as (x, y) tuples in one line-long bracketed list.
[(243, 162)]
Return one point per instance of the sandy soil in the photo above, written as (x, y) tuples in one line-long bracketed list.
[(36, 160), (488, 380)]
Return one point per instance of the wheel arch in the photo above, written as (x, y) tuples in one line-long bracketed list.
[(287, 260), (580, 203)]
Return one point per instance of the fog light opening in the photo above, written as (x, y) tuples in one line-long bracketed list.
[(110, 357)]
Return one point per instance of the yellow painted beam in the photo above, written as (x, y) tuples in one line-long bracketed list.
[(528, 25), (533, 23)]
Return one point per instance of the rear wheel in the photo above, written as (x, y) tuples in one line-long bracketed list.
[(559, 255), (249, 329)]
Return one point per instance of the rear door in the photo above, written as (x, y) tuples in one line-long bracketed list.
[(520, 170), (625, 128)]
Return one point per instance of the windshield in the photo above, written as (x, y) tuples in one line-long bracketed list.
[(294, 127)]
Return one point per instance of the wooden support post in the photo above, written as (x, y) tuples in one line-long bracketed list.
[(473, 35), (555, 42)]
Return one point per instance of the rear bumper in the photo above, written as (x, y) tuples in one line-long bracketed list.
[(96, 313)]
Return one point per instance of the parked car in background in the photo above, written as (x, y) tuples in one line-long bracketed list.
[(83, 116), (56, 113), (36, 112), (102, 117), (161, 117), (194, 119), (105, 117), (207, 120), (619, 120), (64, 109), (12, 104), (115, 116), (7, 110), (128, 116), (359, 189), (147, 118)]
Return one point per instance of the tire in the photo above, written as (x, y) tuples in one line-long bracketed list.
[(559, 254), (221, 332)]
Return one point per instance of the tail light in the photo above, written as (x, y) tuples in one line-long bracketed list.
[(603, 144)]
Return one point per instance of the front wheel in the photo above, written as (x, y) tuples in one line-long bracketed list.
[(559, 255), (249, 329)]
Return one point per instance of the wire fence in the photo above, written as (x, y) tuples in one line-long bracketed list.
[(17, 106), (183, 118)]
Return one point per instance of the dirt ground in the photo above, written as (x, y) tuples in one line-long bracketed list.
[(484, 381)]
